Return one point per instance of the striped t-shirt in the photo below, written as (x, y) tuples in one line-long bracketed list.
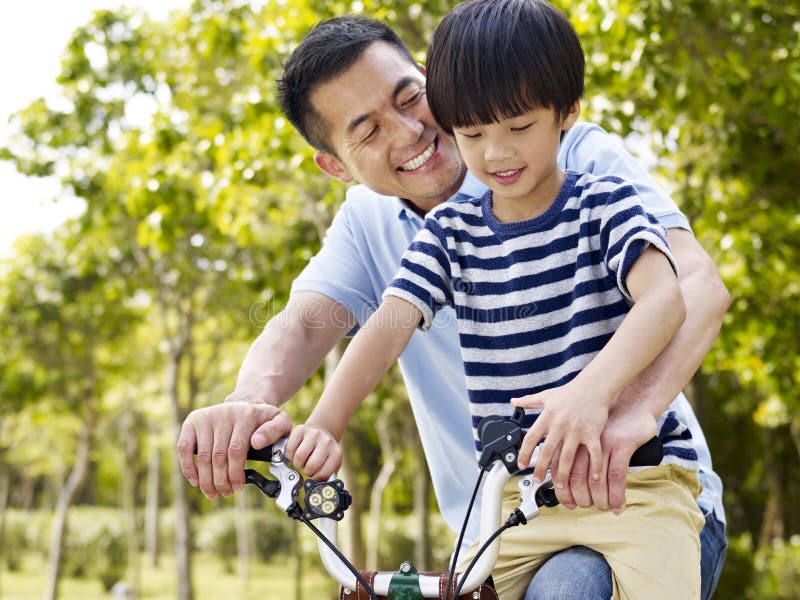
[(535, 300)]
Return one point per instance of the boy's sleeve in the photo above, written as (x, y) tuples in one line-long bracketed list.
[(424, 275), (626, 230), (588, 148)]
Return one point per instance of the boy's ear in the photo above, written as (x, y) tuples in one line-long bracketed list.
[(332, 166), (571, 116)]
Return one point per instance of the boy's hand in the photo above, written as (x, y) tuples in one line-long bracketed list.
[(314, 450), (570, 418), (222, 435)]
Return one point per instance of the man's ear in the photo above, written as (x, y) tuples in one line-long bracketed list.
[(331, 165), (422, 68), (571, 116)]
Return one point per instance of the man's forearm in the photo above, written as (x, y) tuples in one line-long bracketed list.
[(290, 349), (706, 300)]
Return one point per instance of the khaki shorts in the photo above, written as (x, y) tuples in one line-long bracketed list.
[(653, 547)]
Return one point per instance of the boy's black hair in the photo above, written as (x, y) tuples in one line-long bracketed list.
[(327, 51), (495, 59)]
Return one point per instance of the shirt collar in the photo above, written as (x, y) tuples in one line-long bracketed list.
[(471, 187)]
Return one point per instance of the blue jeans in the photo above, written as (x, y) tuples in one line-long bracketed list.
[(588, 576)]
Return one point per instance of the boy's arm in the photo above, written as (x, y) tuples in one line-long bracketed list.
[(313, 447), (650, 393), (655, 317)]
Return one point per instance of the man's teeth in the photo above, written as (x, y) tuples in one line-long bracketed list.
[(416, 163)]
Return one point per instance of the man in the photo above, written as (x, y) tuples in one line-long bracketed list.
[(355, 93)]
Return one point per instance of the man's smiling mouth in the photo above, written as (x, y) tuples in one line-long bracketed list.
[(418, 161)]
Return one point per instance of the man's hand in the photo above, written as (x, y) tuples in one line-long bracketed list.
[(627, 429), (571, 418), (222, 435), (314, 450)]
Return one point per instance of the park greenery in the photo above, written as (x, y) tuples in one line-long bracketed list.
[(202, 204)]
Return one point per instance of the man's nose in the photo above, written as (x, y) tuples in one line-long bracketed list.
[(406, 128)]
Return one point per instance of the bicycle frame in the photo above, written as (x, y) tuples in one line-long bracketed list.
[(491, 518)]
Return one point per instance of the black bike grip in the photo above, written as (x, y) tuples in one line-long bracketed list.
[(648, 454), (264, 455)]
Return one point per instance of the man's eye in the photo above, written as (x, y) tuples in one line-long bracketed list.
[(370, 134), (415, 97)]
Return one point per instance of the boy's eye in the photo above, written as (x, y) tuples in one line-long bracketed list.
[(472, 135), (521, 128)]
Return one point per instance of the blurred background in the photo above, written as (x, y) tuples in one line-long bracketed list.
[(156, 206)]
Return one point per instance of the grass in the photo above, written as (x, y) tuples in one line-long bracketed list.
[(211, 581)]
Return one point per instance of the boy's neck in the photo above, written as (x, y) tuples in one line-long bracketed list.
[(534, 204)]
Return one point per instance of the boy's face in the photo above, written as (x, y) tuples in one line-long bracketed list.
[(516, 158), (383, 133)]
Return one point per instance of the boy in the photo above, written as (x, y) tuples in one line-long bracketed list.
[(542, 272)]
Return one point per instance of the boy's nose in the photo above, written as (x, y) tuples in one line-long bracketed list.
[(497, 151)]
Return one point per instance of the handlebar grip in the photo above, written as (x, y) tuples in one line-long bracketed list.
[(264, 455)]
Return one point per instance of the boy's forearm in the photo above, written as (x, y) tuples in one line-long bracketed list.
[(366, 360), (654, 319), (706, 299)]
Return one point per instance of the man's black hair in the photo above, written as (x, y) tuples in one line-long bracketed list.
[(327, 51), (495, 59)]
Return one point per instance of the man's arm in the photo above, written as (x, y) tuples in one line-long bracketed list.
[(278, 363), (651, 392)]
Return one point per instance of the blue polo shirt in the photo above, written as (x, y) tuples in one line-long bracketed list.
[(361, 255)]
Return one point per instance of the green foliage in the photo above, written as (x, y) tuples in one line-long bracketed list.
[(779, 575), (96, 546), (270, 530)]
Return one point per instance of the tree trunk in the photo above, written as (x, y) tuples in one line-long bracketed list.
[(152, 504), (5, 477), (66, 494), (422, 488), (352, 542), (794, 429), (242, 542), (130, 476), (352, 529), (381, 481), (772, 525), (183, 558)]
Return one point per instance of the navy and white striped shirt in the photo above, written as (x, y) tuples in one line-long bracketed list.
[(535, 300)]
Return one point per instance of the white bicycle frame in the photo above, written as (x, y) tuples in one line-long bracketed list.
[(491, 520)]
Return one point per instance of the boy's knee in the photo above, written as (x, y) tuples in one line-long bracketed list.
[(577, 573)]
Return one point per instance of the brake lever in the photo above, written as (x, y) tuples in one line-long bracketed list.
[(287, 483)]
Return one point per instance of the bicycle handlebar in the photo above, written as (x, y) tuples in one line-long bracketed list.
[(649, 454), (533, 496)]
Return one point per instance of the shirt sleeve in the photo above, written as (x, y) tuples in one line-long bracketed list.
[(589, 148), (338, 271), (626, 230), (424, 276)]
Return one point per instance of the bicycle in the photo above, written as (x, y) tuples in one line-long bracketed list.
[(327, 502)]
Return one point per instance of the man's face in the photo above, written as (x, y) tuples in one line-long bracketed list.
[(383, 132)]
